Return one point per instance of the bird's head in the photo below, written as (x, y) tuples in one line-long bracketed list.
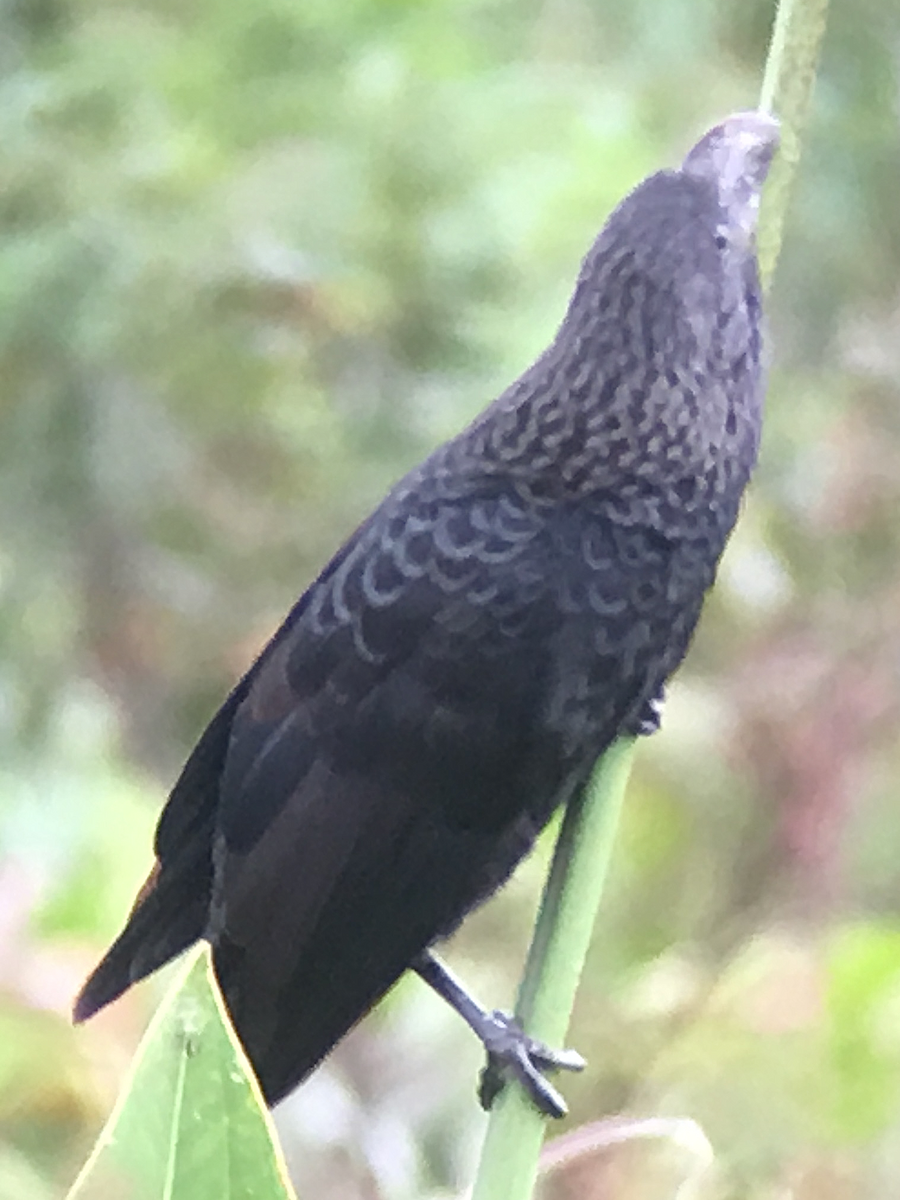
[(735, 156)]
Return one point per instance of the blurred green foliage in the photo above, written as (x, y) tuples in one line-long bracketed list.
[(254, 261)]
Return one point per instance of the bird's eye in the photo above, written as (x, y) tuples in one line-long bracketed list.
[(721, 241)]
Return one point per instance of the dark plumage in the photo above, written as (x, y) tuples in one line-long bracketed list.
[(513, 606)]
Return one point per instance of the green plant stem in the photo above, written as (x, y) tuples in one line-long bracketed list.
[(558, 949), (512, 1145), (787, 90)]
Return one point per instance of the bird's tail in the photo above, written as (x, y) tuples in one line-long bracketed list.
[(170, 913)]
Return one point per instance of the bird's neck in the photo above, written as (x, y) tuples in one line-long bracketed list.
[(562, 436)]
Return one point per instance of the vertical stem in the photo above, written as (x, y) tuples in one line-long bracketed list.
[(555, 961), (512, 1145), (787, 89)]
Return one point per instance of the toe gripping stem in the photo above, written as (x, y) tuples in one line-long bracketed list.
[(512, 1054)]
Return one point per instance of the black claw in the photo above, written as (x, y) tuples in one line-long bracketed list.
[(490, 1084), (513, 1054)]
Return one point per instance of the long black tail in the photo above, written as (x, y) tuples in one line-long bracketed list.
[(172, 908), (170, 914)]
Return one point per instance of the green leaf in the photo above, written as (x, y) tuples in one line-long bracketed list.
[(190, 1123)]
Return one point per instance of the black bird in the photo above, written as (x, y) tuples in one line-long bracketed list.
[(513, 606)]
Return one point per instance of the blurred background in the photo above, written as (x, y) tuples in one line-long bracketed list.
[(255, 260)]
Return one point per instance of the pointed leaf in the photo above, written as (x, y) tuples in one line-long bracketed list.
[(190, 1123)]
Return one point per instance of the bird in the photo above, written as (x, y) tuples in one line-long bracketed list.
[(513, 606)]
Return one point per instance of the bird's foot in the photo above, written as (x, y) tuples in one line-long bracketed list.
[(512, 1054), (649, 718)]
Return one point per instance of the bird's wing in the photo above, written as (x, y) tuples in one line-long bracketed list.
[(401, 745), (387, 761), (384, 771)]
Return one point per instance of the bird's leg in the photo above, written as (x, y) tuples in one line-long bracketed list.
[(510, 1051), (649, 718)]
